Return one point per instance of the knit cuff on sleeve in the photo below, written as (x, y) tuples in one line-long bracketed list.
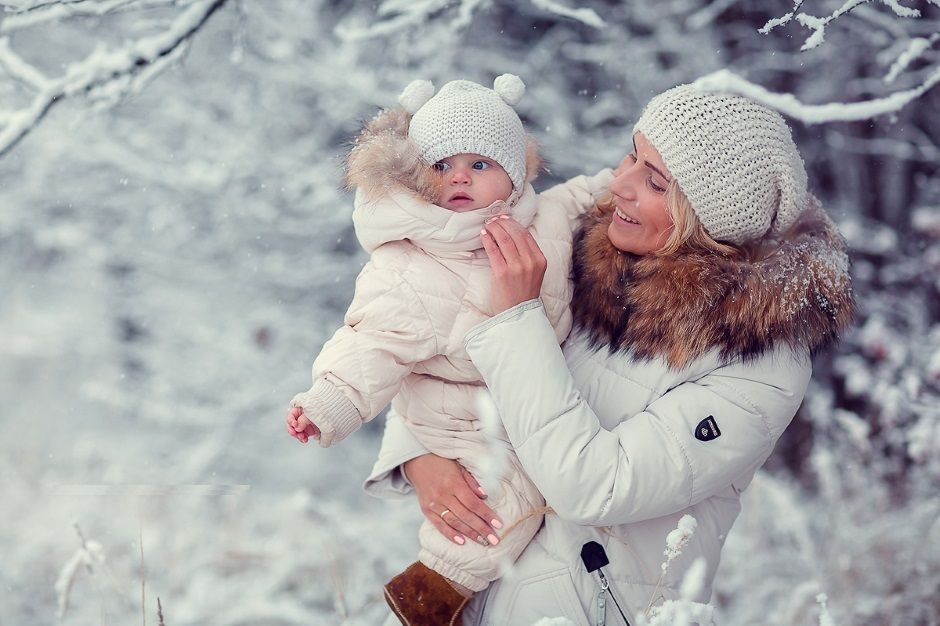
[(330, 410)]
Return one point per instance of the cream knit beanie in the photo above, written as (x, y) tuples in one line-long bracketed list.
[(733, 158), (464, 117)]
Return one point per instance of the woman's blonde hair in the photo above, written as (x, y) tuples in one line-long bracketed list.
[(687, 230)]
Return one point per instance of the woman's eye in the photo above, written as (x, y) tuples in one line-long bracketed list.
[(480, 165), (654, 186)]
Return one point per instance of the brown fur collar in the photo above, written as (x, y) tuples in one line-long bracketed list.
[(794, 290), (383, 157)]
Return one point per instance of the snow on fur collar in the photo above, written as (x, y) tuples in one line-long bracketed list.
[(794, 290)]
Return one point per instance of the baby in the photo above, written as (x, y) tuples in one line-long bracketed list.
[(428, 178)]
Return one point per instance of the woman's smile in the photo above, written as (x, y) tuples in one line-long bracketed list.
[(624, 219)]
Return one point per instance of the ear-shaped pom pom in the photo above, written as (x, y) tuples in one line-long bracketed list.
[(510, 88), (416, 94)]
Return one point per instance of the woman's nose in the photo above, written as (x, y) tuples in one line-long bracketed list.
[(622, 185)]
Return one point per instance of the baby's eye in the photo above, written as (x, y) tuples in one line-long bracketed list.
[(480, 165), (441, 166)]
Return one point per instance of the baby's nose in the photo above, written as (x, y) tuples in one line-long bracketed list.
[(460, 175)]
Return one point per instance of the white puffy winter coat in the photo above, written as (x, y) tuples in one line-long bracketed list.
[(622, 442)]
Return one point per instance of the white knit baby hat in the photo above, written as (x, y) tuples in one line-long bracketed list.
[(734, 159), (464, 117)]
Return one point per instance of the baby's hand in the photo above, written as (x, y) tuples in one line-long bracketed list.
[(299, 426)]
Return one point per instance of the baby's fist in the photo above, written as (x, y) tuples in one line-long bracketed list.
[(299, 426)]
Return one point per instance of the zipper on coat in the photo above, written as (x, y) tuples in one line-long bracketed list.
[(594, 558), (602, 602)]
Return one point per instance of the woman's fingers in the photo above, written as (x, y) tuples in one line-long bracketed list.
[(445, 529), (529, 251), (497, 261), (517, 245), (507, 246), (463, 520), (472, 482)]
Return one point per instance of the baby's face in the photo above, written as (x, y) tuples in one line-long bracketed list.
[(470, 181)]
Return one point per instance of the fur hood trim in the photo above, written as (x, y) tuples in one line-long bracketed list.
[(383, 159), (795, 290)]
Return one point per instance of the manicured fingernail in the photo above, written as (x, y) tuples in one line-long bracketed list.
[(482, 493), (459, 539), (493, 539), (503, 217), (483, 232), (496, 524)]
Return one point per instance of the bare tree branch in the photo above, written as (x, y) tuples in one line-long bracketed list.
[(108, 74)]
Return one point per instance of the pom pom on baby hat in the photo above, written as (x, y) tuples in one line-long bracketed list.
[(510, 88), (733, 158), (465, 117), (416, 94)]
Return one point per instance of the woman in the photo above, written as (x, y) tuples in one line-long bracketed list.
[(702, 288)]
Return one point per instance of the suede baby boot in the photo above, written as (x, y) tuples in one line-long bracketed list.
[(419, 596)]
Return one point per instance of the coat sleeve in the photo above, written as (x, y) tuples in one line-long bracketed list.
[(651, 464), (360, 369), (398, 446), (578, 195)]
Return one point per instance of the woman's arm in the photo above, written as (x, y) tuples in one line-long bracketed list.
[(399, 445), (652, 464)]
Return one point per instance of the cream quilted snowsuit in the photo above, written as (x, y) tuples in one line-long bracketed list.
[(426, 284)]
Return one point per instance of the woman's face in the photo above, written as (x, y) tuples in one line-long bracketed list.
[(640, 223)]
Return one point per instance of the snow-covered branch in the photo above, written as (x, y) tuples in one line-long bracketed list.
[(724, 80), (915, 49), (586, 16), (818, 24), (397, 15), (105, 73), (53, 11)]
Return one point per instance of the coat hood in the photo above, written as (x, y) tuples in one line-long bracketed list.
[(795, 289), (396, 189)]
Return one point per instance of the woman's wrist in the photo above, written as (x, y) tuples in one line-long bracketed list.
[(508, 314)]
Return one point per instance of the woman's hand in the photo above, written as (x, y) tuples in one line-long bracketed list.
[(452, 500), (516, 260)]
